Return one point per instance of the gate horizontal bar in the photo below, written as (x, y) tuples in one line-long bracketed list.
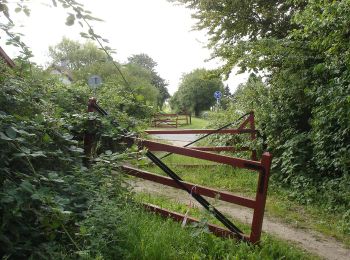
[(201, 131), (216, 230), (224, 196), (233, 161), (220, 148)]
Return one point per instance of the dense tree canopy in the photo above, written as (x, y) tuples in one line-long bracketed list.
[(302, 50), (143, 60), (196, 92), (75, 55), (149, 64), (84, 60), (236, 29)]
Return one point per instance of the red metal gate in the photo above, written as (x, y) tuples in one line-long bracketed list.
[(262, 167)]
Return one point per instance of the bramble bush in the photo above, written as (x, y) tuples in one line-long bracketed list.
[(46, 191)]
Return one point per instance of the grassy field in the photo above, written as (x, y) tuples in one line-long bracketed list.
[(244, 182)]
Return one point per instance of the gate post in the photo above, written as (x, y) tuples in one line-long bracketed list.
[(260, 199)]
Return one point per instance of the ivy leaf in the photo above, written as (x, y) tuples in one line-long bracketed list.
[(26, 11), (140, 97), (70, 20), (25, 150), (27, 186), (76, 149), (18, 9), (47, 138), (38, 154), (4, 137), (24, 132), (11, 132), (54, 3), (15, 155), (84, 35), (89, 17), (67, 136)]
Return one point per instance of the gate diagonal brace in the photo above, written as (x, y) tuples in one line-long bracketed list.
[(217, 214)]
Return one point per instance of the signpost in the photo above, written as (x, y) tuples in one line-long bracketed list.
[(94, 82), (218, 96)]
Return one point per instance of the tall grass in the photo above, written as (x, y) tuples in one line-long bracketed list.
[(244, 182), (132, 233)]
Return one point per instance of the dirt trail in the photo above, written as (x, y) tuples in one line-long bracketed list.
[(314, 242), (311, 241)]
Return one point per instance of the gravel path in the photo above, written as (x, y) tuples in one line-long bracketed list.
[(179, 140)]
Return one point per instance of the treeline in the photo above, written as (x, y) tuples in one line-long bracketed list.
[(301, 50), (80, 61), (196, 92)]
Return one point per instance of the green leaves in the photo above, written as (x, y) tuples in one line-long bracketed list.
[(11, 132), (4, 137), (27, 186), (70, 20), (196, 92)]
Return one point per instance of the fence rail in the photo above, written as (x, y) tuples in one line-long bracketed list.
[(170, 120)]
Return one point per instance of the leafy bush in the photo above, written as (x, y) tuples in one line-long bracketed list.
[(45, 189), (302, 107), (310, 156)]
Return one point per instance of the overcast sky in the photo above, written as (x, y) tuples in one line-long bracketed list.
[(155, 27)]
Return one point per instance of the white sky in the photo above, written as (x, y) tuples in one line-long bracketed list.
[(155, 27)]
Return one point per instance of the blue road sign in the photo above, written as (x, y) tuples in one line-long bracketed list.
[(217, 95), (94, 81)]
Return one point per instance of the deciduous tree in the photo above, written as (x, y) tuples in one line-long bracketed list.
[(148, 63), (196, 91)]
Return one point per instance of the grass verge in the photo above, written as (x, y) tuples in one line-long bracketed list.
[(203, 245), (197, 123), (244, 182)]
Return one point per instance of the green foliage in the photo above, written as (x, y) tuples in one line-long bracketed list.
[(143, 60), (149, 64), (76, 56), (196, 92), (79, 14), (237, 29), (33, 203), (291, 140), (144, 84), (303, 107), (45, 191), (135, 234)]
